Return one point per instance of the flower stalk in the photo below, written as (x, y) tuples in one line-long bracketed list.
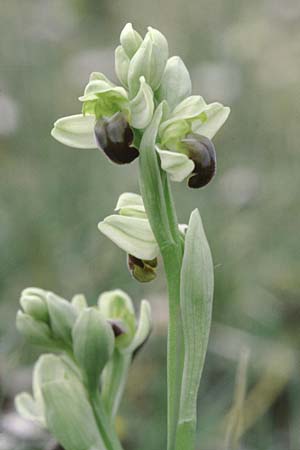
[(152, 117)]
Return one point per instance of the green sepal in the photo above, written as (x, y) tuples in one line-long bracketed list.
[(62, 317), (130, 40), (36, 332), (93, 344)]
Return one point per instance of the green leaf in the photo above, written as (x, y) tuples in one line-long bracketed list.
[(69, 416), (196, 296), (176, 82), (93, 344)]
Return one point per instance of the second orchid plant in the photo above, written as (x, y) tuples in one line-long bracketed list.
[(78, 384)]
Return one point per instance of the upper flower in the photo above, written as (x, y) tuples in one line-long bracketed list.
[(112, 116)]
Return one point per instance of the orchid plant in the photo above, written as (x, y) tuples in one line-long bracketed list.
[(78, 384)]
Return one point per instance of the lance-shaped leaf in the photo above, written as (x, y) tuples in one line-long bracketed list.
[(176, 83), (142, 106), (93, 343), (75, 131), (177, 165), (68, 413), (196, 295), (130, 40)]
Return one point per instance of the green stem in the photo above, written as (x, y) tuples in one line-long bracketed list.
[(107, 431), (159, 206), (113, 382)]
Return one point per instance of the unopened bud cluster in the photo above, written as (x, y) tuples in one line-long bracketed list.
[(87, 340)]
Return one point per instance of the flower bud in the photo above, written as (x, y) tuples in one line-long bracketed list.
[(34, 331), (121, 65), (130, 40), (114, 136), (62, 317), (176, 84), (149, 61), (202, 152), (142, 270), (93, 344), (117, 306), (33, 302)]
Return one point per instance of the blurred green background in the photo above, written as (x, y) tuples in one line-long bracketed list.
[(244, 54)]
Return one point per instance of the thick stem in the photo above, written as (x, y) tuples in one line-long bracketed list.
[(161, 213)]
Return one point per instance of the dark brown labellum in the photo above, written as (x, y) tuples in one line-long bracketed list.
[(142, 270), (202, 152), (114, 136), (117, 327)]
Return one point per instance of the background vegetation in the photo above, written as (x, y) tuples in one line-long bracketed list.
[(245, 54)]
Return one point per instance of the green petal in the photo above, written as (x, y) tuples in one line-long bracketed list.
[(177, 165), (131, 234), (142, 106), (211, 120), (144, 327), (75, 131), (176, 82), (121, 65), (130, 204)]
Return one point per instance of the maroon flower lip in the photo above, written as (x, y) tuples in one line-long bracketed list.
[(202, 152), (114, 136)]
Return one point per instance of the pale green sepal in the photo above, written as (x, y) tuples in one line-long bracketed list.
[(117, 305), (34, 331), (211, 120), (189, 108), (79, 302), (131, 234), (27, 407), (196, 296), (121, 65), (33, 302), (177, 165), (149, 61), (130, 204), (62, 317), (69, 416), (130, 40), (144, 327), (101, 76), (97, 87), (93, 344), (75, 131), (129, 200), (142, 106), (176, 83)]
